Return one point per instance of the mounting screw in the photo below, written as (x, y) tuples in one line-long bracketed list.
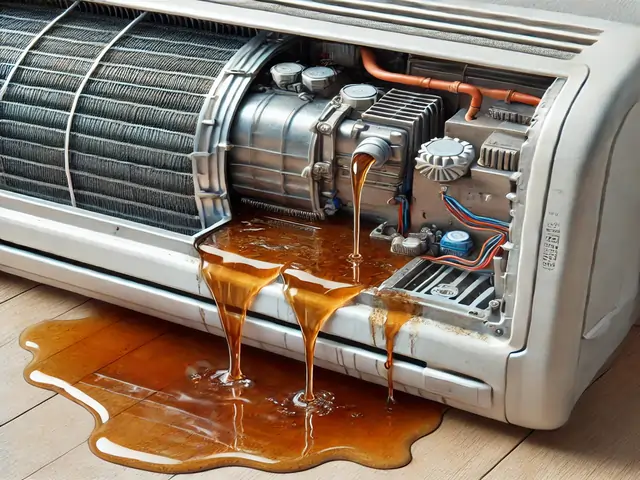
[(494, 304), (324, 128), (499, 332)]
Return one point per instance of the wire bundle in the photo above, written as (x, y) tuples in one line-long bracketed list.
[(403, 213), (474, 222)]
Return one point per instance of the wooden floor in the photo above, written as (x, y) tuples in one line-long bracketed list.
[(43, 436)]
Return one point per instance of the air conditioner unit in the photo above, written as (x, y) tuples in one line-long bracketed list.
[(130, 129)]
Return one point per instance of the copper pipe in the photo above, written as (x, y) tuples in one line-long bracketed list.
[(510, 96), (370, 65), (476, 93)]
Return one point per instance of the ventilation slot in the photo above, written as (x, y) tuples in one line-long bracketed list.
[(473, 290), (137, 111), (454, 23)]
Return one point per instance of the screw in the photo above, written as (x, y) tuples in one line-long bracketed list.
[(494, 304), (324, 128), (499, 332)]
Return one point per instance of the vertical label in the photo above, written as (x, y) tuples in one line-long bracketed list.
[(550, 244)]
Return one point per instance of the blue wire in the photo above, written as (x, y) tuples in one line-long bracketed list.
[(406, 212), (458, 206), (491, 244)]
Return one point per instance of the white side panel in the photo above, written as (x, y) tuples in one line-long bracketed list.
[(614, 279)]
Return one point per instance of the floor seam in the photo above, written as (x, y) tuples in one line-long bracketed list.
[(19, 293), (30, 408), (495, 465), (54, 318), (55, 459)]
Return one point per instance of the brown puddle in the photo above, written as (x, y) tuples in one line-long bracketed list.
[(150, 385), (170, 399)]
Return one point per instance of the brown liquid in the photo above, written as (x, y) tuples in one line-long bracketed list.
[(400, 309), (314, 300), (360, 166), (321, 277), (234, 283), (151, 387), (320, 248)]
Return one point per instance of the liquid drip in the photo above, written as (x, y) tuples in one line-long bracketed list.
[(314, 300), (400, 310), (150, 386), (234, 283), (360, 166), (323, 276)]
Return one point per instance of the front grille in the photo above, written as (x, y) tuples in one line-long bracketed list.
[(133, 129), (472, 290)]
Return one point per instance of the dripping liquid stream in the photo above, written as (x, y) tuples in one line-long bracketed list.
[(313, 301), (234, 283), (399, 310), (360, 166)]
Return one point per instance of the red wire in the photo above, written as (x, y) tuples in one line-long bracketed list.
[(475, 225), (466, 220)]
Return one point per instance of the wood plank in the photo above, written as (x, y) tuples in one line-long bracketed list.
[(600, 441), (465, 447), (11, 286), (42, 435), (39, 303), (16, 395), (81, 464)]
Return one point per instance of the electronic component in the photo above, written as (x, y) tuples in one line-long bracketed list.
[(445, 159), (457, 243), (411, 246), (515, 113)]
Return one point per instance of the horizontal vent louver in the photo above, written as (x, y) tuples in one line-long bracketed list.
[(456, 23), (136, 115)]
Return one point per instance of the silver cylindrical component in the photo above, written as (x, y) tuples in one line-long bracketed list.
[(285, 74), (375, 147), (359, 96), (316, 79), (274, 148)]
